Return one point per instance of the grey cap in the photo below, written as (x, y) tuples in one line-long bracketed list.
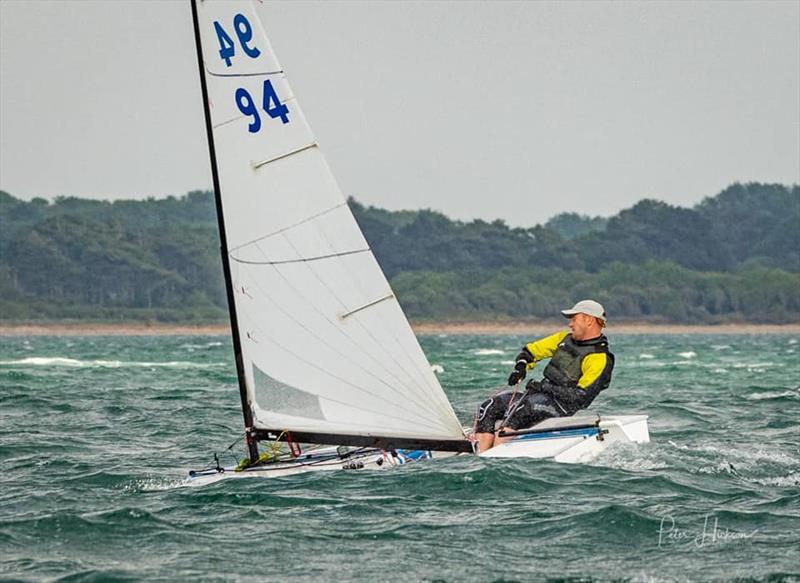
[(589, 307)]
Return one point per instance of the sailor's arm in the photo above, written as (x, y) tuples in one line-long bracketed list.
[(540, 349), (532, 353), (592, 368)]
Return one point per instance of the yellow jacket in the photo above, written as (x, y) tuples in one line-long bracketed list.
[(592, 366)]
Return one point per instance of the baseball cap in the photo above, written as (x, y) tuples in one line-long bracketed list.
[(589, 307)]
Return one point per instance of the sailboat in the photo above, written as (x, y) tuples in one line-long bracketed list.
[(324, 353)]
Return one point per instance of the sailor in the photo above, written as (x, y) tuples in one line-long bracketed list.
[(580, 367)]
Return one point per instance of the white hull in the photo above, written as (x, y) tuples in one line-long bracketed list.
[(574, 445), (565, 440)]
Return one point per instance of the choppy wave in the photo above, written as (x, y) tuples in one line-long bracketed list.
[(94, 463)]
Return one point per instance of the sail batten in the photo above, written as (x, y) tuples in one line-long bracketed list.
[(290, 227), (256, 74), (325, 346), (305, 260), (257, 165)]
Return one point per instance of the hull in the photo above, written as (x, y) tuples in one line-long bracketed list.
[(318, 460), (564, 440)]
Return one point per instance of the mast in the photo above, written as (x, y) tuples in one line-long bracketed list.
[(247, 412)]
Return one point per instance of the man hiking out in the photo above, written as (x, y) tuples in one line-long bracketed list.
[(580, 367)]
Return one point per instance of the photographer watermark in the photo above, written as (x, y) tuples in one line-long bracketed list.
[(710, 534)]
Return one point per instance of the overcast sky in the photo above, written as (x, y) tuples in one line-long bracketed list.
[(502, 110)]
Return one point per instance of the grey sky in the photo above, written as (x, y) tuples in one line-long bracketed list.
[(495, 110)]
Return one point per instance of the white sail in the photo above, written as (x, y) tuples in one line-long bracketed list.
[(325, 345)]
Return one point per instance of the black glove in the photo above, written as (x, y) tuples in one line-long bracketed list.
[(518, 374), (533, 386)]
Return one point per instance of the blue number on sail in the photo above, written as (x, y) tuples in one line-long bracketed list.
[(247, 107), (226, 49), (245, 33), (272, 103)]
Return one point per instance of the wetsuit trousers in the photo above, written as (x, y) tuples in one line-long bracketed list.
[(525, 410)]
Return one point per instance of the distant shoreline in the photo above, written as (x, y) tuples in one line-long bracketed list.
[(423, 328)]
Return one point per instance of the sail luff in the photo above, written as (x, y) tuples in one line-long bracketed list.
[(247, 411)]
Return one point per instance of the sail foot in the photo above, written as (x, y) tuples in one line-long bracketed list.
[(384, 442)]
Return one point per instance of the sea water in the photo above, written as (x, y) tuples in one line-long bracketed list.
[(98, 433)]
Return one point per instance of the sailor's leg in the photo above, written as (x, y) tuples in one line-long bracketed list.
[(485, 441), (532, 409), (490, 412)]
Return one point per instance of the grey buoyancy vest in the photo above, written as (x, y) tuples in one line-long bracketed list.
[(564, 368)]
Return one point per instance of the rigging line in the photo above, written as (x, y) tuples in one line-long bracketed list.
[(412, 397), (434, 391), (290, 227), (435, 388), (328, 373), (356, 364), (342, 333), (425, 399), (437, 404), (435, 394), (301, 260), (411, 388), (381, 414)]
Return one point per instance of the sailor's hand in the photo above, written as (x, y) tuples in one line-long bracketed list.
[(533, 386), (518, 374)]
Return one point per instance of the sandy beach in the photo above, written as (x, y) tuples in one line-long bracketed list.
[(482, 328)]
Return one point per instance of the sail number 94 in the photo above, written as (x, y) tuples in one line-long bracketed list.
[(270, 103), (244, 31)]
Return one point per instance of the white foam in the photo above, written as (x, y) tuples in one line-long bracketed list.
[(192, 347), (770, 395), (741, 458), (43, 361), (719, 468), (153, 484), (781, 481), (645, 356), (631, 458), (689, 354), (488, 351), (749, 365), (71, 362)]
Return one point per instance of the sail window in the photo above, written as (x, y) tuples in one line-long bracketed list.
[(279, 397)]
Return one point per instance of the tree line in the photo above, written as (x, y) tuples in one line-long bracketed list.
[(733, 257)]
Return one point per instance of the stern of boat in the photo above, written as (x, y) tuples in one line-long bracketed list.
[(574, 439)]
